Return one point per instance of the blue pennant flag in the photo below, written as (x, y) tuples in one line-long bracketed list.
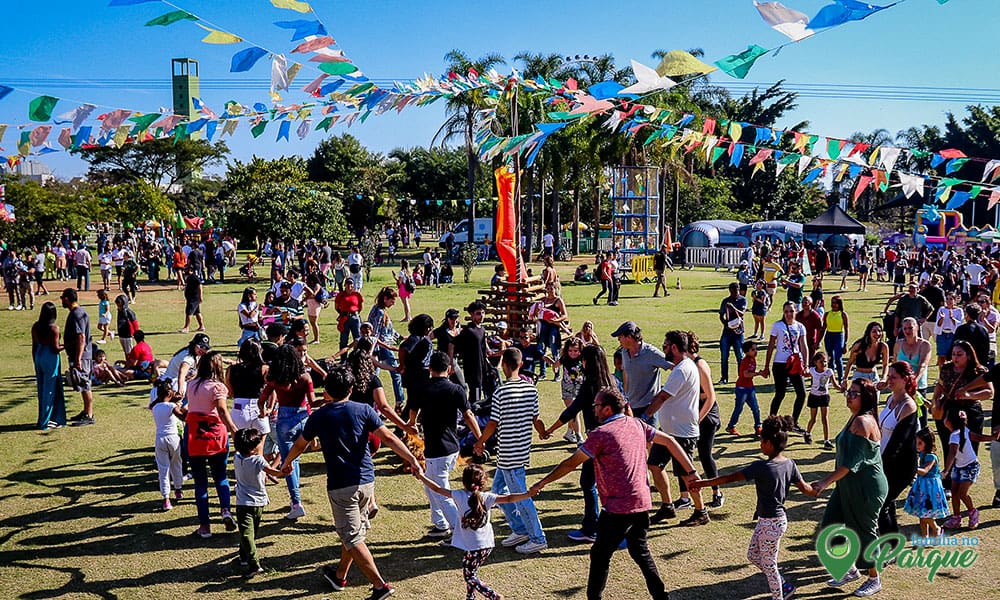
[(244, 60), (302, 28), (286, 127), (957, 200), (842, 12)]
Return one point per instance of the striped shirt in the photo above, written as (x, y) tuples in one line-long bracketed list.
[(515, 408)]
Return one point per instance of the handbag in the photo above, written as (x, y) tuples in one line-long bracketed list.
[(206, 434), (793, 366), (408, 285)]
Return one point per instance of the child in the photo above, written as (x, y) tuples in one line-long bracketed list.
[(251, 495), (963, 465), (772, 478), (819, 304), (572, 379), (746, 393), (168, 441), (127, 324), (498, 275), (619, 373), (899, 276), (819, 397), (539, 312), (926, 499), (761, 301), (474, 533), (103, 316), (105, 372)]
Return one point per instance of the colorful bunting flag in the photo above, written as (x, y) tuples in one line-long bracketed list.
[(841, 12), (4, 91), (39, 134), (738, 65), (302, 29), (40, 109), (338, 68), (863, 182), (244, 60), (171, 17), (301, 7), (313, 43), (283, 131), (791, 23), (219, 37), (678, 62)]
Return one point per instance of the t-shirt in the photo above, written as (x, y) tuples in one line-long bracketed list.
[(820, 381), (473, 539), (141, 352), (786, 339), (191, 288), (572, 369), (772, 478), (975, 272), (165, 420), (416, 371), (975, 334), (249, 307), (965, 456), (374, 383), (947, 320), (934, 295), (127, 323), (470, 345), (643, 375), (205, 396), (250, 488), (77, 322), (913, 306), (747, 364), (679, 415), (530, 356), (342, 429), (514, 409), (441, 405), (618, 448), (795, 293)]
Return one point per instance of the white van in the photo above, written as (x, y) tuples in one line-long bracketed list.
[(484, 229)]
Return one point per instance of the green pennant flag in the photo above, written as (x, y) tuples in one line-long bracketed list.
[(40, 109), (24, 144), (171, 18), (324, 124), (717, 154), (258, 129), (142, 122), (738, 65), (359, 89), (949, 181), (337, 68), (975, 191), (790, 158), (833, 148), (919, 153)]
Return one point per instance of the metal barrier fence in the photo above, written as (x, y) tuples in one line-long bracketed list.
[(720, 258)]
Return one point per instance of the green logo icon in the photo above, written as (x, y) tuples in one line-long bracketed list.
[(838, 548)]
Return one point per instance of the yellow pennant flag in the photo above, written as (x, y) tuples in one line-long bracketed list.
[(219, 37), (678, 62), (735, 131), (295, 5), (757, 168), (292, 72), (121, 135), (843, 171)]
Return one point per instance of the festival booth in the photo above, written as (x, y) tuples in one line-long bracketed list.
[(835, 228)]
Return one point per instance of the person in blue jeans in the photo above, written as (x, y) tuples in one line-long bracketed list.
[(387, 338), (290, 388), (731, 314), (746, 392), (513, 413)]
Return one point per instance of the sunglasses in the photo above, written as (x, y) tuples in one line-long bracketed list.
[(852, 393)]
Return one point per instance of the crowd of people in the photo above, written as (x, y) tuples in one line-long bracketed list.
[(464, 391)]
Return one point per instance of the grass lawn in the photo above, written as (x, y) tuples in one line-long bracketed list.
[(79, 507)]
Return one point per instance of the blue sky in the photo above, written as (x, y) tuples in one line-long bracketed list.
[(917, 43)]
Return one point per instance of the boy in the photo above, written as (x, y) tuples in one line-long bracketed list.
[(251, 495), (746, 393)]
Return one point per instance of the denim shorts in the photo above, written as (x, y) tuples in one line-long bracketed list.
[(943, 343), (968, 473)]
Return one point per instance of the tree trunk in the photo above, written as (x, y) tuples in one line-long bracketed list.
[(576, 221)]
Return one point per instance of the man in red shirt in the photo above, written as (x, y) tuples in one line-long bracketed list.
[(618, 449), (813, 324)]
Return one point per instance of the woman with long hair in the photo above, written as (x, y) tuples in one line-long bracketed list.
[(245, 380), (899, 423), (45, 349), (414, 355), (867, 354), (596, 376), (208, 429), (861, 484), (404, 281), (835, 332), (349, 304), (915, 351), (249, 315), (787, 346), (953, 393), (386, 339), (289, 387), (312, 292)]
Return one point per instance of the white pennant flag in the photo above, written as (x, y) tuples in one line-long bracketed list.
[(279, 73), (804, 163), (990, 167), (911, 184), (888, 157), (781, 18)]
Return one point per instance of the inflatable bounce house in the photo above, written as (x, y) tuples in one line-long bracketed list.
[(939, 229)]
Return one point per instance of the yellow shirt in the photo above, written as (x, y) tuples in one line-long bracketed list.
[(835, 321), (771, 271)]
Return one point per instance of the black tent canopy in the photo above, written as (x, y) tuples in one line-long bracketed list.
[(834, 220)]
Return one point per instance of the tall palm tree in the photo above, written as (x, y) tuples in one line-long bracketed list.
[(462, 110)]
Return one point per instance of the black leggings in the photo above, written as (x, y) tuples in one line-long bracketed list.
[(781, 378), (897, 485), (706, 440), (605, 288)]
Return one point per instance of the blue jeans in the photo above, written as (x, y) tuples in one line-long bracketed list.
[(247, 334), (444, 513), (834, 344), (522, 517), (730, 341), (289, 426), (591, 512), (200, 466), (748, 396), (548, 337), (352, 327), (389, 357), (82, 278)]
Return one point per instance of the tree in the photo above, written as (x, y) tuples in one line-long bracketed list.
[(44, 212), (159, 162), (434, 174)]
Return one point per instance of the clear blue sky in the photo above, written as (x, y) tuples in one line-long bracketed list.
[(918, 43)]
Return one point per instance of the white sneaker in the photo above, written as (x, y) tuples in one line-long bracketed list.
[(869, 588), (514, 539), (852, 575), (297, 512), (531, 547), (570, 436)]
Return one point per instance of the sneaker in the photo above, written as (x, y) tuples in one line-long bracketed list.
[(717, 501), (579, 535), (178, 494), (851, 575), (698, 517), (953, 522), (722, 381), (531, 547), (330, 575), (807, 437), (102, 341), (228, 521), (787, 590), (973, 518), (439, 532), (797, 429), (732, 431), (78, 416), (570, 436), (827, 445), (514, 539), (166, 504), (253, 571), (869, 588), (188, 476), (203, 532), (84, 422), (383, 592), (682, 503), (996, 499), (297, 512), (555, 375), (667, 511), (595, 304)]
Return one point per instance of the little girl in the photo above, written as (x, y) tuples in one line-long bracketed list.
[(572, 379), (761, 302), (168, 441), (772, 477), (475, 533), (103, 316), (926, 499), (819, 397), (963, 465), (105, 372), (251, 494), (539, 313)]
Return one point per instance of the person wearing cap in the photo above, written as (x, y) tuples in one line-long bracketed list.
[(444, 337), (287, 303), (193, 294), (660, 264), (497, 343)]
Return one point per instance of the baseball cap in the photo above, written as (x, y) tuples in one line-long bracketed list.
[(451, 313), (201, 340), (627, 328), (501, 324)]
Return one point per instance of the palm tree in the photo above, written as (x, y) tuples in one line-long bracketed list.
[(462, 110)]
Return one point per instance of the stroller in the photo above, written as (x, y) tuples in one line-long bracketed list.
[(247, 271)]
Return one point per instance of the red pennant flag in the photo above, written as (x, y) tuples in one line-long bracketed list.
[(863, 182), (952, 153)]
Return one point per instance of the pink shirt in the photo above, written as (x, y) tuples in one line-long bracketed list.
[(203, 397), (618, 448)]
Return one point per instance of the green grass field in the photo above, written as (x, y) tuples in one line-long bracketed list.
[(80, 518)]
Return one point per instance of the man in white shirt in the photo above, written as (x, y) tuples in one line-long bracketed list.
[(355, 265), (106, 261), (548, 244), (118, 258), (83, 262), (676, 406), (975, 281)]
